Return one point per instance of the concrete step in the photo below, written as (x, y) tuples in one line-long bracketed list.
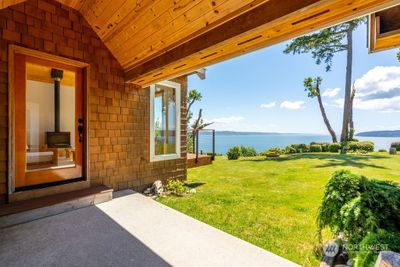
[(33, 209)]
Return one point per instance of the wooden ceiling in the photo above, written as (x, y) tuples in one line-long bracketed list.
[(384, 29), (158, 39)]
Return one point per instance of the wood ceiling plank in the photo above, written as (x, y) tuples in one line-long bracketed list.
[(121, 17), (277, 30), (201, 17), (101, 12), (145, 18)]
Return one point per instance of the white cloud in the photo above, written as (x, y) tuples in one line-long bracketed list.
[(379, 89), (268, 105), (331, 92), (292, 104), (228, 120)]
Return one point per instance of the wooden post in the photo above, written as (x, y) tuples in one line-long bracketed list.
[(213, 145)]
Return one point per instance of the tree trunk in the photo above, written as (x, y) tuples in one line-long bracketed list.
[(325, 117), (349, 69), (351, 120)]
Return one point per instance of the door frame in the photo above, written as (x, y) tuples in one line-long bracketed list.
[(14, 49)]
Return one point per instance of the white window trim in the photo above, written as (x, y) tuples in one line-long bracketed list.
[(177, 155)]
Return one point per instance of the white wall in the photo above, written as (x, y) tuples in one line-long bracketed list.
[(40, 111)]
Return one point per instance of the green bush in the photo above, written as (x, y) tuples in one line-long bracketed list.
[(364, 146), (273, 150), (248, 151), (233, 153), (301, 148), (334, 147), (324, 145), (367, 146), (315, 148), (290, 150), (395, 145), (382, 150), (356, 206), (367, 251), (175, 186)]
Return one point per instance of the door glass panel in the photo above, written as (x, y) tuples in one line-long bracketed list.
[(165, 120), (50, 118)]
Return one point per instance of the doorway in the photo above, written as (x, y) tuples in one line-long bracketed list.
[(49, 121)]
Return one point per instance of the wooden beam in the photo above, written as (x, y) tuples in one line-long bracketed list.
[(263, 14), (270, 23)]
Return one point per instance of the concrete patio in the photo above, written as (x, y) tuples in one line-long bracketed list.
[(130, 230)]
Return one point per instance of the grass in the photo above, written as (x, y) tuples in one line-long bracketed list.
[(272, 203)]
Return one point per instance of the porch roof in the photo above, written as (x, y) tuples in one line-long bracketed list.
[(155, 40)]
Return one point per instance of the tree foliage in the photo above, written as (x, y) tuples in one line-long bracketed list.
[(323, 45), (192, 97), (312, 86)]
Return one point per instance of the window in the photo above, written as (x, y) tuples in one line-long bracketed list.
[(165, 117)]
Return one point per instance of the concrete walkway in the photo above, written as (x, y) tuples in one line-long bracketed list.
[(130, 230)]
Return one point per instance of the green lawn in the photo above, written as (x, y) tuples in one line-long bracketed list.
[(272, 203)]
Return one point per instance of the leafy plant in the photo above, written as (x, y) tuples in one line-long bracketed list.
[(395, 145), (233, 153), (334, 147), (248, 151), (290, 150), (273, 150), (382, 150), (315, 148), (356, 206), (367, 251), (324, 145), (175, 186)]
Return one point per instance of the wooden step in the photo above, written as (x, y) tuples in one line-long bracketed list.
[(33, 209)]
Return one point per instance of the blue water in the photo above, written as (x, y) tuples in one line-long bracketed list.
[(263, 142)]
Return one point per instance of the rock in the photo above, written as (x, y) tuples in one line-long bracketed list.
[(192, 191), (388, 259), (392, 151), (157, 187)]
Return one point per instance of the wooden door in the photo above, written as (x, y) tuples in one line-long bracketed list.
[(39, 157)]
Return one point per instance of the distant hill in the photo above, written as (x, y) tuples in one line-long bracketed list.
[(395, 133)]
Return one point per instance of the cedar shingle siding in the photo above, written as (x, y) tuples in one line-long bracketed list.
[(119, 113)]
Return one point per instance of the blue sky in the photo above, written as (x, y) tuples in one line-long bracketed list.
[(235, 90)]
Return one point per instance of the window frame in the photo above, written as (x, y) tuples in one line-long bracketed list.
[(177, 155)]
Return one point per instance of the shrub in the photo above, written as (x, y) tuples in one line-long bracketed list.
[(334, 147), (382, 150), (368, 249), (357, 206), (175, 186), (324, 145), (273, 150), (290, 150), (233, 153), (367, 146), (301, 148), (396, 145), (248, 151), (315, 148)]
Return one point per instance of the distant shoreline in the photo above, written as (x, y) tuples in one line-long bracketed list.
[(395, 133), (257, 133)]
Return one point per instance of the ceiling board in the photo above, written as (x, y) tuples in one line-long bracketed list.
[(218, 45)]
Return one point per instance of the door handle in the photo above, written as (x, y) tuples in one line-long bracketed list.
[(80, 129)]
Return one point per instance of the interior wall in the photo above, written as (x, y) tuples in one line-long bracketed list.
[(40, 112), (119, 132)]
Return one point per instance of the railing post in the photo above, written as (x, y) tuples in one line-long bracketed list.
[(197, 146), (213, 145)]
